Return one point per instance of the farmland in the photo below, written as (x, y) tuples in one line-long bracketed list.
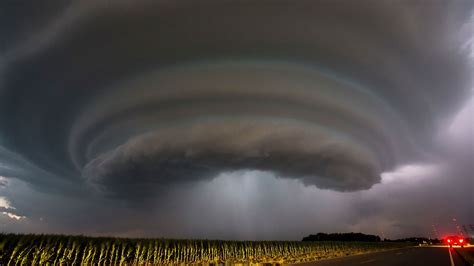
[(59, 249)]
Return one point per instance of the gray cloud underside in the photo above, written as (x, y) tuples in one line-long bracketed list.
[(127, 95)]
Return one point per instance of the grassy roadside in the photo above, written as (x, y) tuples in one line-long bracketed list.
[(354, 254), (467, 254)]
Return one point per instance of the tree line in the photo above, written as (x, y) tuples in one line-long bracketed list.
[(360, 237)]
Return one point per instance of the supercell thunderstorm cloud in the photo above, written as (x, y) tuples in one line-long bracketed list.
[(132, 111)]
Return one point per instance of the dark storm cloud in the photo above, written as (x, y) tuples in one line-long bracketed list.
[(124, 96), (199, 153)]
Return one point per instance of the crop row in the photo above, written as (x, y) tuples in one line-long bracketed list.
[(72, 250)]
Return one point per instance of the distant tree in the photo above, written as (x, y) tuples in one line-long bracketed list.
[(415, 240), (342, 237)]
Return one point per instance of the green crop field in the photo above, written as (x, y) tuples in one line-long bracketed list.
[(58, 249)]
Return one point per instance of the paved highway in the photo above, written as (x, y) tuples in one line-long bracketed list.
[(430, 256)]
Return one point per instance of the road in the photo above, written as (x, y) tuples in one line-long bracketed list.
[(430, 256)]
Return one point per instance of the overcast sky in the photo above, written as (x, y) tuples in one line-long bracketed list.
[(268, 119)]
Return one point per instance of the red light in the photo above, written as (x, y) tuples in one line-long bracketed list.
[(449, 240), (461, 240)]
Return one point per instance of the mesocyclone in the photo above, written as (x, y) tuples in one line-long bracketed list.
[(195, 121), (151, 94)]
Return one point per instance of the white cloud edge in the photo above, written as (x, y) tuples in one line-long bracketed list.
[(14, 216)]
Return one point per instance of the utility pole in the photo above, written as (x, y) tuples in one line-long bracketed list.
[(458, 228), (435, 231), (469, 229)]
